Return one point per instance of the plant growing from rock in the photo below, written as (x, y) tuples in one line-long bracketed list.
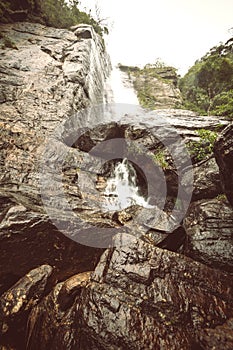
[(204, 147)]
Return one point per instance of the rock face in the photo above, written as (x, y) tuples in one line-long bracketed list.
[(209, 226), (50, 74), (224, 156), (139, 297)]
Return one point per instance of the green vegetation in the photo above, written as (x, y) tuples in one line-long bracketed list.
[(204, 147), (207, 88), (221, 197), (55, 13), (161, 160)]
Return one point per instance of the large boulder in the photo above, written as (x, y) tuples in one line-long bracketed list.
[(209, 227), (139, 297), (206, 180), (223, 151)]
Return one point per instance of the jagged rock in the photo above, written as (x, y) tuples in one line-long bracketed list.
[(220, 337), (223, 150), (209, 226), (16, 303), (206, 180), (139, 297), (57, 314)]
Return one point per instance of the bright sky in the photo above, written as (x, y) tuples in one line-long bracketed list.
[(176, 31)]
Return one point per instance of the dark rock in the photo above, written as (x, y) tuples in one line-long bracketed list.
[(139, 297), (220, 337), (223, 150), (56, 314), (17, 302), (206, 180), (209, 227)]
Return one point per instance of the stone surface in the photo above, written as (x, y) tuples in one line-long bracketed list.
[(17, 302), (220, 337), (223, 151), (209, 227), (206, 180), (139, 297), (52, 74)]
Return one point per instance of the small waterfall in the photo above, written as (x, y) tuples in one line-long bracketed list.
[(122, 190)]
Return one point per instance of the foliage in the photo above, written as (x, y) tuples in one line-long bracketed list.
[(208, 85), (221, 197), (56, 13), (204, 147), (160, 159)]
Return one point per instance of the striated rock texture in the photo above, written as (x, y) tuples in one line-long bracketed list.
[(139, 297), (209, 226), (47, 75), (223, 151), (17, 302), (156, 86)]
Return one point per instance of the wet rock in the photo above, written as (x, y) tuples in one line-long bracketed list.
[(38, 241), (223, 151), (209, 226), (206, 180), (17, 302), (49, 77), (139, 297), (220, 337), (57, 313)]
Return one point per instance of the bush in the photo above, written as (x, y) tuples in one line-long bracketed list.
[(204, 147)]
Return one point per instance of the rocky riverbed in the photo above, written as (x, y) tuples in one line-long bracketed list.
[(125, 279)]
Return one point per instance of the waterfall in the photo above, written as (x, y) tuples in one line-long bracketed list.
[(122, 190), (119, 88)]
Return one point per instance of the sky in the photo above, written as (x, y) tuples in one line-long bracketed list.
[(178, 32)]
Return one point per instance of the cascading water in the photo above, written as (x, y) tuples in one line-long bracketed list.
[(119, 88), (122, 190)]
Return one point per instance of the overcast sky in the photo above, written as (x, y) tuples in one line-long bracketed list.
[(176, 31)]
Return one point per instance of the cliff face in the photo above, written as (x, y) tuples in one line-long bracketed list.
[(46, 74)]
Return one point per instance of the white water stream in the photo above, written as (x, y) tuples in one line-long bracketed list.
[(119, 88), (122, 190)]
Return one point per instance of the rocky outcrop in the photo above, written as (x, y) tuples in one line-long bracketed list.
[(224, 156), (206, 180), (17, 302), (139, 297), (209, 227)]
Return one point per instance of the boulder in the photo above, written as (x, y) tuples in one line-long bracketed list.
[(209, 226), (139, 297), (206, 180), (17, 302)]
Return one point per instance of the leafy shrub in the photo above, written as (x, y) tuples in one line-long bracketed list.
[(204, 147)]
